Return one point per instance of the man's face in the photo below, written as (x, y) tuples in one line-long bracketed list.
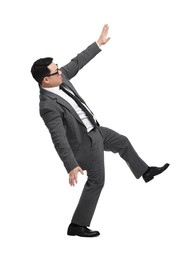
[(54, 79)]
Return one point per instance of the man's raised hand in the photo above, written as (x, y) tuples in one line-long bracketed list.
[(103, 39)]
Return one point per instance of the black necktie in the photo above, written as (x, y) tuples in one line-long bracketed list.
[(80, 104)]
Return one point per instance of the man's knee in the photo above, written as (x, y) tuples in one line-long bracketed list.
[(96, 183)]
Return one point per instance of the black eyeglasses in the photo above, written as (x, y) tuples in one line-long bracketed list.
[(55, 73)]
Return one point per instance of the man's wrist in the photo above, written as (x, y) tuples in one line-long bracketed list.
[(99, 45)]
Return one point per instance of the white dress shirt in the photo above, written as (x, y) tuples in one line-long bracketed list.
[(79, 111)]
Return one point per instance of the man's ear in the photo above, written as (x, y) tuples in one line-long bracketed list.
[(45, 80)]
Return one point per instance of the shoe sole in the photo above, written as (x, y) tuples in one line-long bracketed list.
[(82, 235), (147, 179)]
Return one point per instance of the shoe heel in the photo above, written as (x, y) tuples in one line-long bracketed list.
[(70, 234), (149, 178)]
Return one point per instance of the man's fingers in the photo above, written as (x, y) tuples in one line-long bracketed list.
[(76, 178), (105, 32), (73, 175), (105, 27), (81, 171), (71, 181), (108, 39)]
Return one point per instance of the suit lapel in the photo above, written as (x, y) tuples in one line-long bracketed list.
[(68, 84), (62, 102)]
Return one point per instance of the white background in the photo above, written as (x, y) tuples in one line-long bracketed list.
[(139, 85)]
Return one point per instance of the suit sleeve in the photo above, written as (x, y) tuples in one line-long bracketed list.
[(55, 124), (77, 63)]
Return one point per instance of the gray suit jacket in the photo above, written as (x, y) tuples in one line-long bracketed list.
[(67, 130)]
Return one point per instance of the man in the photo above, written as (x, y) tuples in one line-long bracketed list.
[(77, 136)]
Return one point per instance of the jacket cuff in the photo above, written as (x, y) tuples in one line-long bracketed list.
[(71, 165)]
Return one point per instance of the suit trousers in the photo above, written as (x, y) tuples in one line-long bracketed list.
[(104, 139)]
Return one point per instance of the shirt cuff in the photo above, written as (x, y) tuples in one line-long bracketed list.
[(99, 45)]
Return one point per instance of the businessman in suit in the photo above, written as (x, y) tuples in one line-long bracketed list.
[(77, 136)]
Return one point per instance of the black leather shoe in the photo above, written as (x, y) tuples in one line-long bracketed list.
[(76, 230), (153, 171)]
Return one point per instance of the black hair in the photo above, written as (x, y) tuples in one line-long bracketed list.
[(40, 69)]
